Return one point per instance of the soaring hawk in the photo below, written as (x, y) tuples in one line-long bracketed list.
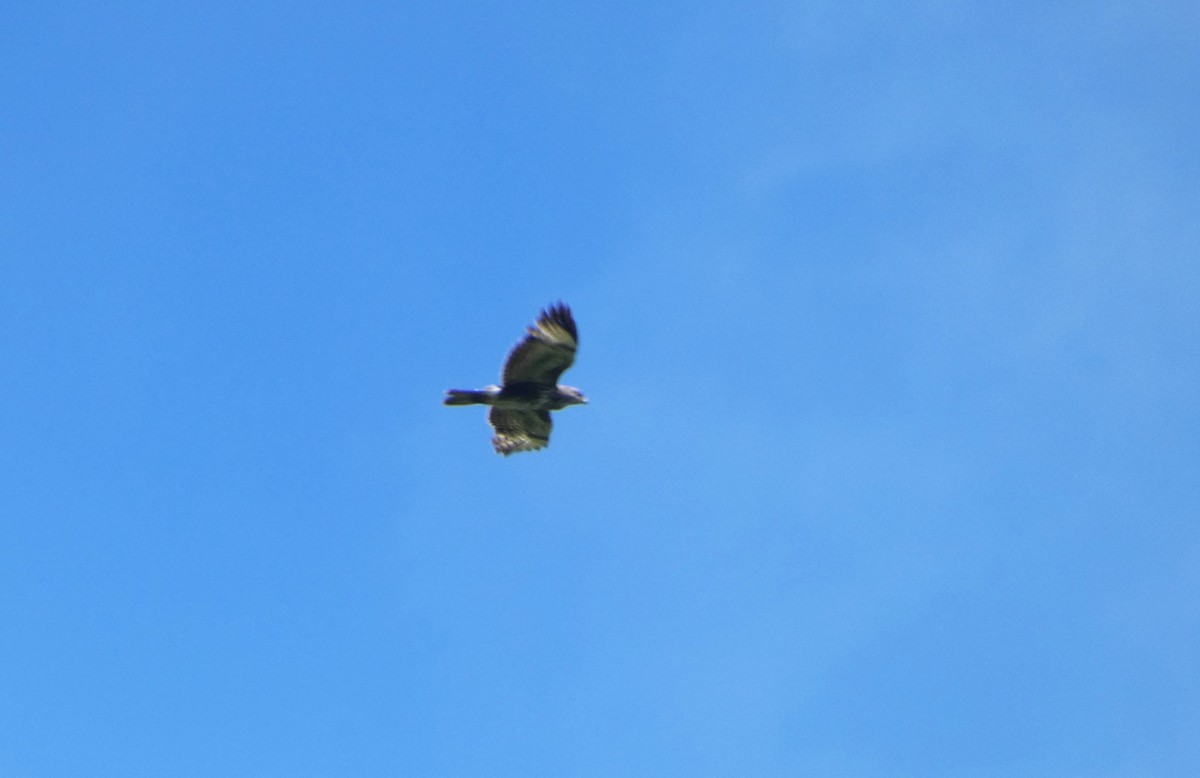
[(521, 407)]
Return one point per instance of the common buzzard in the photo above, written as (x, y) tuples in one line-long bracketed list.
[(521, 407)]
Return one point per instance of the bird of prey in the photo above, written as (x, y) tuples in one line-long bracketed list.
[(529, 389)]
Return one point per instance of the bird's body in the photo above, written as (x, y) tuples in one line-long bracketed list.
[(516, 397), (520, 407)]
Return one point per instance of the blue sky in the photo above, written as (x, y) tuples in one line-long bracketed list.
[(888, 321)]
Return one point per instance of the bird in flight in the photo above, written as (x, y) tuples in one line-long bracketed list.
[(529, 389)]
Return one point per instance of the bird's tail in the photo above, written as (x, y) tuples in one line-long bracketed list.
[(465, 397)]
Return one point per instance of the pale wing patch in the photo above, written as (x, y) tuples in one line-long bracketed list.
[(553, 332)]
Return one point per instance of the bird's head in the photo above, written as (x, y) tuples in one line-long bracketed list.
[(572, 395)]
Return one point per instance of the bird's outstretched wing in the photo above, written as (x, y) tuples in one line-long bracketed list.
[(547, 350), (519, 430)]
